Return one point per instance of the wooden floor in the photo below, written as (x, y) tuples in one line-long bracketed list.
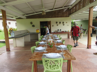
[(17, 60)]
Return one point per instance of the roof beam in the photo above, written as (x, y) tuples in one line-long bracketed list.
[(65, 3), (45, 11), (75, 3), (12, 12), (16, 2), (54, 4), (30, 7), (12, 8), (42, 5)]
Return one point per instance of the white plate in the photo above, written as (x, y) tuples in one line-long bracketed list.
[(39, 48), (62, 46), (52, 55), (59, 41), (42, 42)]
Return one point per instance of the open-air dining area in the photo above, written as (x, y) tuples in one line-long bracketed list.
[(48, 35)]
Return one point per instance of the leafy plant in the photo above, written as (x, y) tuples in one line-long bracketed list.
[(50, 44), (12, 29), (0, 30)]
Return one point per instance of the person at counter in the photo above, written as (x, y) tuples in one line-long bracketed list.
[(47, 30), (75, 30)]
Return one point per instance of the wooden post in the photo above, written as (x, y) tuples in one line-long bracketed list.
[(69, 66), (89, 28), (5, 30)]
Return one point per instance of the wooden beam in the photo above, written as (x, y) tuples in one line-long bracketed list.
[(5, 30), (89, 28), (65, 3), (12, 12), (16, 2), (30, 7), (54, 4), (42, 5)]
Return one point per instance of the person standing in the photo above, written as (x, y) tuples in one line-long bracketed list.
[(81, 31), (76, 30), (96, 33), (47, 30)]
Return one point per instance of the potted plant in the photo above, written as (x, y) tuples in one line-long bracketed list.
[(50, 44)]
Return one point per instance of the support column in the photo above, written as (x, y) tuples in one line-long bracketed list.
[(89, 28), (5, 30)]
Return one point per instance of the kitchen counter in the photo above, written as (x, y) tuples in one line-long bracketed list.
[(22, 35)]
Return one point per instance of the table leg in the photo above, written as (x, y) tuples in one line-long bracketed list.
[(35, 66), (69, 66), (68, 35)]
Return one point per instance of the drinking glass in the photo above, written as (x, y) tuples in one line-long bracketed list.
[(62, 49), (45, 48)]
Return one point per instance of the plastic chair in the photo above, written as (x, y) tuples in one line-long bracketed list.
[(52, 65), (40, 39), (41, 36), (57, 35), (38, 62), (37, 42), (32, 49), (60, 38), (69, 47), (63, 41)]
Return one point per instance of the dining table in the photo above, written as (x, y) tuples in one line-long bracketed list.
[(37, 56)]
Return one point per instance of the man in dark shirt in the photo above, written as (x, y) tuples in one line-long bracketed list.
[(75, 32)]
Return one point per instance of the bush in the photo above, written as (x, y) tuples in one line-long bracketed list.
[(0, 30)]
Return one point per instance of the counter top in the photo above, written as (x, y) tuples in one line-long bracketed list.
[(59, 32), (22, 35)]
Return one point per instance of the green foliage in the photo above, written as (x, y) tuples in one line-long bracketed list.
[(12, 29), (2, 44), (2, 35), (0, 30), (50, 44)]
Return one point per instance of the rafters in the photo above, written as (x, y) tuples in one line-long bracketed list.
[(12, 8), (42, 5), (12, 12), (17, 2), (30, 7), (54, 4), (46, 11), (65, 3)]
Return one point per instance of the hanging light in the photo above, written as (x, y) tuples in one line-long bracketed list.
[(43, 13)]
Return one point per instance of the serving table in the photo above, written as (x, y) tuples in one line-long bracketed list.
[(38, 56), (68, 33)]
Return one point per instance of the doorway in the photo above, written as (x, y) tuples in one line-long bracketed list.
[(42, 27)]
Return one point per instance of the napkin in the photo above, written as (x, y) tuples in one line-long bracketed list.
[(42, 42), (59, 41), (39, 48), (52, 55), (62, 46)]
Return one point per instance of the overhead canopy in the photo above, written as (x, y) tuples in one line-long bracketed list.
[(23, 8)]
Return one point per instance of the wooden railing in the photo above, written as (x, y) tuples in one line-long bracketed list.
[(79, 5)]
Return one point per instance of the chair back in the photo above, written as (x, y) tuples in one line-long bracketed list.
[(63, 41), (69, 47), (60, 38), (40, 39), (57, 35), (33, 48), (52, 64), (37, 42)]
